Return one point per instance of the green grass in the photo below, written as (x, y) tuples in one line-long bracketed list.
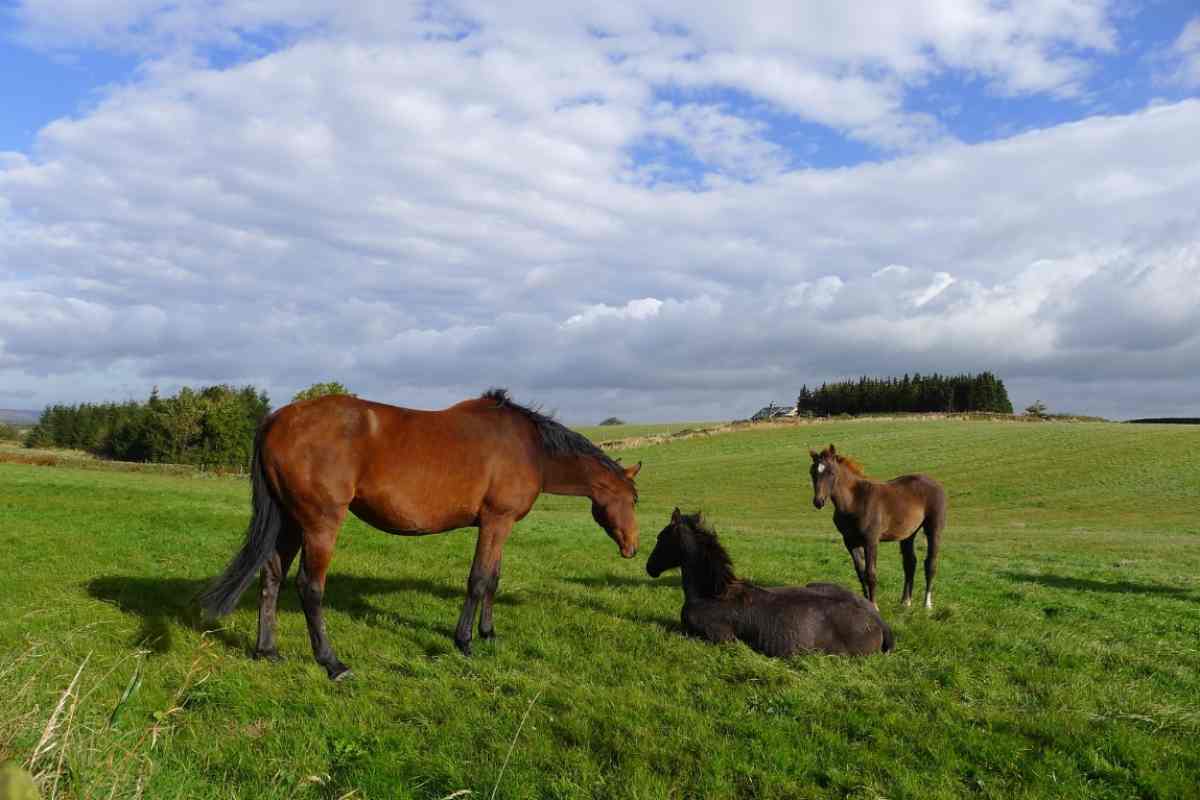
[(1062, 659)]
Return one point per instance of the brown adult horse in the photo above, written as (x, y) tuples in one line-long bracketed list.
[(482, 463), (868, 512), (782, 621)]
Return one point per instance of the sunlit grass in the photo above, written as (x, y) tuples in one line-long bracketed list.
[(1062, 659)]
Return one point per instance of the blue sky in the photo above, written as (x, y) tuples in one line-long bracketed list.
[(399, 196)]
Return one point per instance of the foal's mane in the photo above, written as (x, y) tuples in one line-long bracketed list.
[(557, 439), (848, 462), (710, 559), (852, 465)]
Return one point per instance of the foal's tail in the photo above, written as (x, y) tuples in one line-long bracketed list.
[(889, 640), (222, 594)]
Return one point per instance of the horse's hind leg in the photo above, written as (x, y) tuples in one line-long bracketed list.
[(486, 629), (908, 554), (273, 573), (317, 552), (934, 523)]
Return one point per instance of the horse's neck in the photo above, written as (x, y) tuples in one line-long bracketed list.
[(694, 579), (699, 579), (572, 475), (846, 497)]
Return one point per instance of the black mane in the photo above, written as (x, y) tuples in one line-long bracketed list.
[(557, 439), (708, 556)]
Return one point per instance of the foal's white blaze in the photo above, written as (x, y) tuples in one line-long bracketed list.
[(820, 467)]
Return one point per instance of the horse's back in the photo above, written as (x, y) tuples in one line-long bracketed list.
[(401, 469), (818, 617)]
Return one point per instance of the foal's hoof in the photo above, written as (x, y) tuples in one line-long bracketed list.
[(338, 672), (268, 655), (464, 646), (488, 634)]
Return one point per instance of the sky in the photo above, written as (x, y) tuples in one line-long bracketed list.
[(658, 210)]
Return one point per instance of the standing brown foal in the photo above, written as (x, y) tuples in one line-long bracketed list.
[(867, 512), (481, 463)]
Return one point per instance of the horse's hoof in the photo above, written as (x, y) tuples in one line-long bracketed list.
[(268, 655), (339, 672), (907, 602), (488, 634), (464, 646)]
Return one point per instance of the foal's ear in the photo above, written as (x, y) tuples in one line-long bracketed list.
[(815, 455), (832, 450), (631, 472)]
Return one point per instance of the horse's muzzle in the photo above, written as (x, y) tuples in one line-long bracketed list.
[(818, 503), (651, 571), (628, 552)]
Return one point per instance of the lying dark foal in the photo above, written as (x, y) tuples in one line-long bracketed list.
[(783, 621)]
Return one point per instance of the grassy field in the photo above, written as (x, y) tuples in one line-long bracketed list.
[(1062, 658)]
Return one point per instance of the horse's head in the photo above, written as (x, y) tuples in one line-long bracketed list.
[(671, 547), (613, 504), (824, 474)]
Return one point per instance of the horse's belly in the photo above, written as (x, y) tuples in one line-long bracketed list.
[(409, 519), (903, 527)]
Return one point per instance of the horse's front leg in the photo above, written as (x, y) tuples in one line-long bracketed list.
[(859, 558), (482, 581), (870, 550)]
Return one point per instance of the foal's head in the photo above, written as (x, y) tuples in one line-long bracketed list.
[(824, 473), (688, 541), (613, 502)]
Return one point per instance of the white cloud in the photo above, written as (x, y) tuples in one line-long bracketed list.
[(644, 308), (1184, 55), (421, 218)]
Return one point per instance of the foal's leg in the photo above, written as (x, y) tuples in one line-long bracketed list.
[(871, 549), (482, 580), (933, 538), (319, 538), (860, 565), (273, 573), (908, 554)]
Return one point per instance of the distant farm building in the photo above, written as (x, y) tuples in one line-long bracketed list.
[(772, 411)]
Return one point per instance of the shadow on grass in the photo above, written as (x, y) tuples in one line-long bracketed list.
[(1089, 585), (158, 602), (614, 581), (593, 602)]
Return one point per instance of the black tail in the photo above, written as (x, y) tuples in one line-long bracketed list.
[(889, 640), (222, 595)]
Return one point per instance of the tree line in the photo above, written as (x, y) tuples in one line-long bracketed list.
[(210, 427), (915, 393)]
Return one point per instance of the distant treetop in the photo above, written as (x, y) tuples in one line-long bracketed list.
[(613, 421), (322, 389)]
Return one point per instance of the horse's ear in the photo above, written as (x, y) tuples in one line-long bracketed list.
[(631, 472), (675, 516)]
